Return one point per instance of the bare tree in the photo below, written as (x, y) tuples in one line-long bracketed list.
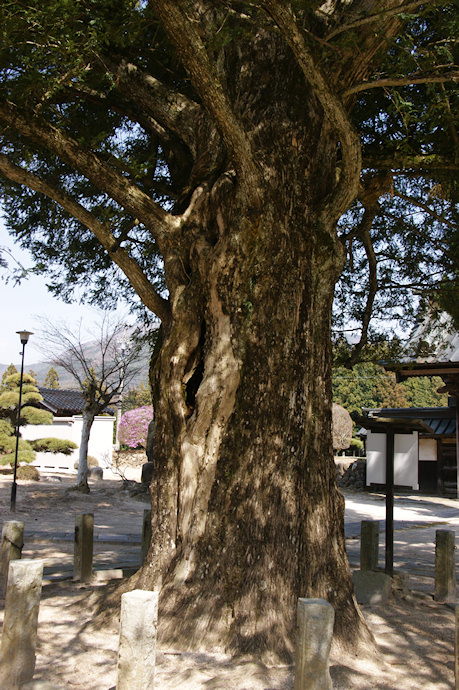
[(101, 368)]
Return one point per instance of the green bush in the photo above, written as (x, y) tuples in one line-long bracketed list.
[(32, 415), (6, 427), (357, 443), (23, 456), (53, 445), (8, 444), (92, 462), (28, 472)]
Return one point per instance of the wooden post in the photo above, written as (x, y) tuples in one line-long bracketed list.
[(445, 566), (390, 502), (146, 535), (369, 544), (83, 547)]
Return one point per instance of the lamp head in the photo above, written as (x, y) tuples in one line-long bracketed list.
[(24, 336)]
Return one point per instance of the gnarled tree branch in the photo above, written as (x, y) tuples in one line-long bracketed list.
[(131, 269), (89, 164), (372, 18), (403, 81), (406, 162), (333, 107), (365, 226), (426, 208), (171, 109), (195, 59)]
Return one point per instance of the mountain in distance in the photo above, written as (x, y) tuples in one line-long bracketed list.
[(90, 350)]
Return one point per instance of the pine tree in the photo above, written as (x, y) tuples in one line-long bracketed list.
[(30, 414), (11, 369), (51, 379)]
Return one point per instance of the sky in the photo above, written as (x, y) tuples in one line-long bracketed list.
[(21, 305)]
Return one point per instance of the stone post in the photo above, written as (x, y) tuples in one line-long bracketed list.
[(11, 549), (17, 651), (445, 571), (146, 535), (369, 544), (83, 547), (137, 645), (315, 619), (456, 650)]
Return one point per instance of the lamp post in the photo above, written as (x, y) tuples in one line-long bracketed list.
[(24, 336)]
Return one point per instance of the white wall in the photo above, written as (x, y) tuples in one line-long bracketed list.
[(428, 449), (69, 428), (405, 459)]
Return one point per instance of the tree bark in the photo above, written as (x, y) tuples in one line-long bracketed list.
[(246, 515), (82, 477)]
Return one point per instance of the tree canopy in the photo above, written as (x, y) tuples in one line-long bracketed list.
[(229, 162), (369, 385), (99, 102), (51, 379)]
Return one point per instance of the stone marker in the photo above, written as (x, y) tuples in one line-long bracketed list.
[(148, 469), (137, 645), (315, 619), (371, 587), (445, 571), (83, 547), (369, 544), (146, 535), (19, 636), (11, 549), (95, 473)]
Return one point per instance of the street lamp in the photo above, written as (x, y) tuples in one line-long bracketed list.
[(24, 336)]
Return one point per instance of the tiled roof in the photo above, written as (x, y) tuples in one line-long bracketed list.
[(434, 342), (442, 420), (62, 402)]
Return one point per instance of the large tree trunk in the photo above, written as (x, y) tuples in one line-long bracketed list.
[(246, 513)]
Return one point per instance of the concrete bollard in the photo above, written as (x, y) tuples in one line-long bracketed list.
[(315, 618), (17, 651), (369, 544), (83, 547), (146, 535), (445, 570), (11, 549), (137, 645)]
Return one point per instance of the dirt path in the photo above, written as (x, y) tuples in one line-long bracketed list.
[(415, 637)]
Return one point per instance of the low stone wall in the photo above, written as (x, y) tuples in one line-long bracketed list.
[(351, 474), (129, 458)]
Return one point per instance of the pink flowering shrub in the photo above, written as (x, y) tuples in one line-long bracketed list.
[(134, 427)]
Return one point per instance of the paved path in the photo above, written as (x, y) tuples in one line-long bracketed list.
[(49, 525), (416, 519)]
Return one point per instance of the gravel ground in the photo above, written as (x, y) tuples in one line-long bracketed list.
[(415, 636)]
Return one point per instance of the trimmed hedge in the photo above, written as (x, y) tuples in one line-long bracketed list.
[(53, 445)]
